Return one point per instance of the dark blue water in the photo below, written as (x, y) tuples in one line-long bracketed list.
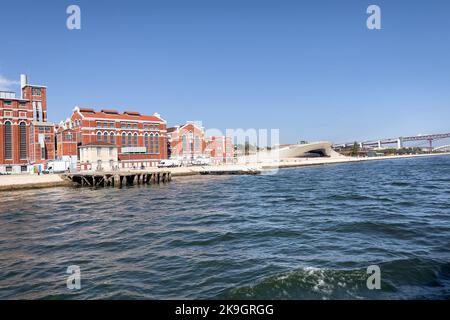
[(307, 233)]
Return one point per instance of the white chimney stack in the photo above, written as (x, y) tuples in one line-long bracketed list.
[(23, 80), (23, 83)]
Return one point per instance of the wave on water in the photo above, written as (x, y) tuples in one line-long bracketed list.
[(408, 277)]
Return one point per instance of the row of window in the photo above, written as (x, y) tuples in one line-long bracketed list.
[(8, 140), (8, 103), (151, 141), (126, 125), (105, 124)]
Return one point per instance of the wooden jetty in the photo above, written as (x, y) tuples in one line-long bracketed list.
[(118, 179)]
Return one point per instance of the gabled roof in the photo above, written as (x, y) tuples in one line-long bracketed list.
[(177, 128)]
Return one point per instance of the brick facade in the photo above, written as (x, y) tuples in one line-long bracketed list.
[(24, 128), (187, 142), (220, 149), (141, 139)]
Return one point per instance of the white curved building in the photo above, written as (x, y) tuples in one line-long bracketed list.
[(285, 152)]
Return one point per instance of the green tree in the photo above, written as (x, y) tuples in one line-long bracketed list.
[(355, 149)]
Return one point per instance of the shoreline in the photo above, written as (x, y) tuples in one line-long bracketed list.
[(26, 182)]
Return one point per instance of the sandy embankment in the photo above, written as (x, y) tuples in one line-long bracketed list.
[(20, 182)]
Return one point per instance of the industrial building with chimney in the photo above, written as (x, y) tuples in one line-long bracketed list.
[(28, 142), (26, 137)]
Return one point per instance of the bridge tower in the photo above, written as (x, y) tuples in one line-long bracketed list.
[(430, 141), (400, 143)]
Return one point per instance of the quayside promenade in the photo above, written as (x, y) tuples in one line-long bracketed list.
[(20, 182)]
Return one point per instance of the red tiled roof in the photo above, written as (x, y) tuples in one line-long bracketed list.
[(90, 113), (110, 111), (132, 113), (87, 110)]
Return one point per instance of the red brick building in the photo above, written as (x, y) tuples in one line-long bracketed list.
[(220, 149), (141, 139), (187, 142), (26, 138)]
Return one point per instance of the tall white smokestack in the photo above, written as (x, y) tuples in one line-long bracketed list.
[(23, 83)]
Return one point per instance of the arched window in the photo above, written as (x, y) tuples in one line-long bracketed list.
[(130, 138), (197, 144), (99, 136), (124, 139), (151, 144), (111, 139), (105, 137), (23, 141), (8, 140), (135, 140), (146, 142), (184, 143), (191, 141), (156, 143)]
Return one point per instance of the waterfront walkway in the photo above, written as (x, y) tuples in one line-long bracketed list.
[(18, 182)]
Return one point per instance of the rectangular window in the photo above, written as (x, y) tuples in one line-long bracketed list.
[(38, 115), (43, 153), (7, 103), (36, 92), (34, 110)]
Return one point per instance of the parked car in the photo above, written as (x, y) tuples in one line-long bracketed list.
[(169, 164)]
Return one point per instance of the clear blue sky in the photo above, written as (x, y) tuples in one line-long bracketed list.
[(310, 68)]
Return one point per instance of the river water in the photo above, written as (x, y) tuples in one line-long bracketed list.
[(306, 233)]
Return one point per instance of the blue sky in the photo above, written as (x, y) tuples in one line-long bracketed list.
[(310, 68)]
